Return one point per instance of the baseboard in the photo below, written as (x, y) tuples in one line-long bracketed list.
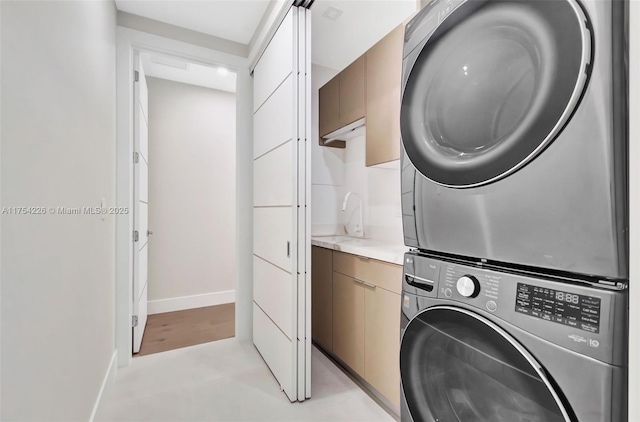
[(109, 377), (190, 302)]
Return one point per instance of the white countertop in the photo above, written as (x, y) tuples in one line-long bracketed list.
[(370, 248)]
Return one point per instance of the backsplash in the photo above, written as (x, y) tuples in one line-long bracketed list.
[(345, 171)]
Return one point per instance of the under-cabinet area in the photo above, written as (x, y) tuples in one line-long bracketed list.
[(356, 316)]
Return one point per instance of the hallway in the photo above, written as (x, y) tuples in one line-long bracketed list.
[(228, 381)]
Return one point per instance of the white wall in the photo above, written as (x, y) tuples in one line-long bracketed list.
[(337, 171), (244, 205), (58, 149), (192, 205)]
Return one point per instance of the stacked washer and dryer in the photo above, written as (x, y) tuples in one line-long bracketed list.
[(514, 196)]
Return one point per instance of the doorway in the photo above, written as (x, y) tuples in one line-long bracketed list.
[(129, 44), (184, 260)]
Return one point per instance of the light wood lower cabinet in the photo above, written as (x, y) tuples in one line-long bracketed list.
[(348, 321), (322, 297), (364, 315), (382, 342), (382, 274)]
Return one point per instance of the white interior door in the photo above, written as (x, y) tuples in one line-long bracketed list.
[(140, 205), (281, 296)]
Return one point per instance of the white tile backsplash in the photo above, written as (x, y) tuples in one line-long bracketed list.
[(379, 189)]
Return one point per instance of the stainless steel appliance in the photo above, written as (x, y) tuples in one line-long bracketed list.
[(483, 344), (514, 125)]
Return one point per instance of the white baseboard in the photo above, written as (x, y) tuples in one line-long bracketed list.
[(190, 302), (109, 377)]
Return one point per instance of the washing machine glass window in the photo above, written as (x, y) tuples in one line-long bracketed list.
[(491, 87), (458, 366)]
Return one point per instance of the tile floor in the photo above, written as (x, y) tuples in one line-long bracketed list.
[(228, 381)]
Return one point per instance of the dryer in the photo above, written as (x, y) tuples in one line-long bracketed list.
[(513, 124), (483, 344)]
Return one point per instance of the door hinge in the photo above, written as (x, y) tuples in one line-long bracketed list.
[(136, 76), (136, 158), (136, 236), (134, 321)]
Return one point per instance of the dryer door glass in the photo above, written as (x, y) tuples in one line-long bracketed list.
[(491, 87), (456, 366)]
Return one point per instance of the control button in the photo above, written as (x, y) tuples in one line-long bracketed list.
[(492, 306), (468, 286), (448, 292)]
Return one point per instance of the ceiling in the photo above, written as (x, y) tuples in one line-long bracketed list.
[(173, 69), (336, 43), (234, 20)]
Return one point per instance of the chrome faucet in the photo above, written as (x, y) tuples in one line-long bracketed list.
[(360, 225)]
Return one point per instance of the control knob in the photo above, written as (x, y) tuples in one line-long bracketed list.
[(468, 286)]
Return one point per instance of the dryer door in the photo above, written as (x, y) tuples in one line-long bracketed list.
[(458, 366), (491, 86)]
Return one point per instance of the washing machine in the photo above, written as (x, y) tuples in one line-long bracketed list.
[(514, 128), (483, 344)]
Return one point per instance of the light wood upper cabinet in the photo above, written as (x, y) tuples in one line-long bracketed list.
[(329, 101), (352, 92), (322, 297), (383, 83), (342, 99), (348, 321), (382, 342)]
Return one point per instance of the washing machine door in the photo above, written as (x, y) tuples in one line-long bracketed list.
[(491, 86), (459, 367)]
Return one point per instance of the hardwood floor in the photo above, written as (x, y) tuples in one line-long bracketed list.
[(173, 330)]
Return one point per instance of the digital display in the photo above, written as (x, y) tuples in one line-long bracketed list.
[(562, 296), (565, 308)]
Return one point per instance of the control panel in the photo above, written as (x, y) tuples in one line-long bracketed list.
[(482, 288), (586, 319), (574, 310)]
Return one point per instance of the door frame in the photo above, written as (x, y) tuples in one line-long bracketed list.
[(130, 41)]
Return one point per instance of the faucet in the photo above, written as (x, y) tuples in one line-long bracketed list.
[(360, 226)]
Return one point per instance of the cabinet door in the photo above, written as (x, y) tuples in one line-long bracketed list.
[(329, 104), (382, 342), (348, 321), (383, 274), (322, 297), (352, 92), (384, 74)]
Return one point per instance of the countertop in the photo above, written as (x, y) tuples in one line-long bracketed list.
[(370, 248)]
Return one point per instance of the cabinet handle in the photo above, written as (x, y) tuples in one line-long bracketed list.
[(288, 249), (364, 258), (365, 283)]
